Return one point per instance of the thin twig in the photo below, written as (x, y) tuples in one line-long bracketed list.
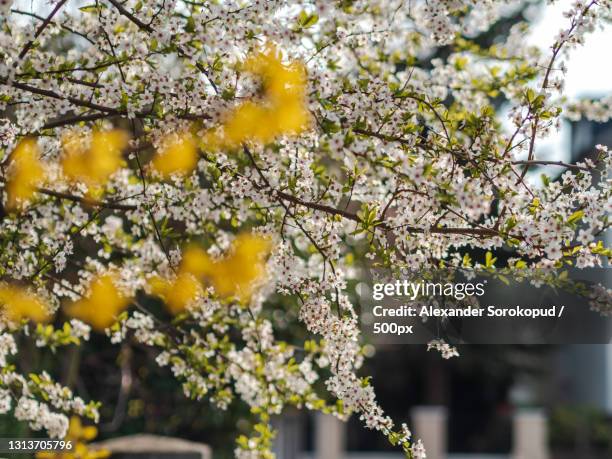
[(40, 29), (86, 201)]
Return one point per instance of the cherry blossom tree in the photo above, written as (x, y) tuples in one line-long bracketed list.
[(217, 157)]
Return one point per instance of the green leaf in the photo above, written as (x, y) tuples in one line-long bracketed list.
[(576, 216), (92, 8), (306, 20), (460, 63), (504, 279), (490, 260)]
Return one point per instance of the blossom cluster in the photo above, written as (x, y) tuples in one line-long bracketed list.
[(38, 400)]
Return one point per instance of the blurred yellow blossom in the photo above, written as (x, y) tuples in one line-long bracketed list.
[(177, 294), (25, 173), (238, 273), (249, 121), (283, 109), (235, 275), (195, 261), (93, 165), (78, 435), (185, 288), (178, 155), (17, 303), (102, 304)]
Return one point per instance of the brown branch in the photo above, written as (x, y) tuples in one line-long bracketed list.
[(317, 206), (556, 49), (40, 29), (131, 17), (149, 29), (125, 387), (54, 95), (89, 84), (552, 163), (351, 216), (74, 119), (259, 171), (385, 137), (63, 26), (86, 201), (354, 217), (390, 138)]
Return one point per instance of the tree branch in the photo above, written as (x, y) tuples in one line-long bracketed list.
[(83, 200), (130, 16), (552, 163), (40, 29), (149, 29), (411, 229)]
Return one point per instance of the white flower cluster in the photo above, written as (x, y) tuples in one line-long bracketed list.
[(437, 19), (7, 348), (62, 398), (41, 402), (5, 6), (8, 131), (418, 450), (144, 328), (5, 401), (599, 110), (39, 417), (601, 300), (80, 329), (446, 350)]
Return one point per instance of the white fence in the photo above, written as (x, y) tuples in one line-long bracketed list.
[(529, 437)]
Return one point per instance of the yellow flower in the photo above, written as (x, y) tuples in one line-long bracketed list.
[(178, 155), (195, 261), (95, 165), (282, 111), (18, 303), (25, 174), (249, 121), (176, 294), (77, 435), (102, 304), (282, 82), (235, 275), (185, 288), (238, 273), (76, 431), (291, 117)]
